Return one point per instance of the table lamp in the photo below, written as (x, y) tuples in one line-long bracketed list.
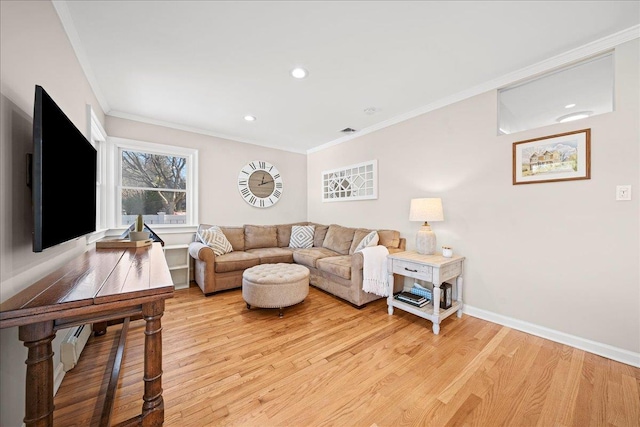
[(426, 210)]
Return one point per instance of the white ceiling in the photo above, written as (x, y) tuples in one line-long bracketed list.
[(204, 65)]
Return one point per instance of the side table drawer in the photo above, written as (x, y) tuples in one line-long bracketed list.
[(412, 269)]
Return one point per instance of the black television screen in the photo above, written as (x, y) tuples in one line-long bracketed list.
[(63, 182)]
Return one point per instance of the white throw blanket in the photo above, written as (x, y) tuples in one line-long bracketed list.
[(374, 270)]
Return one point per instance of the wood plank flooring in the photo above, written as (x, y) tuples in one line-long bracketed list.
[(328, 364)]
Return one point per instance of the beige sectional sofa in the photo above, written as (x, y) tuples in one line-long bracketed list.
[(334, 265)]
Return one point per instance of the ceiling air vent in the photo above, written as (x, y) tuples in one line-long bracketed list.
[(348, 130)]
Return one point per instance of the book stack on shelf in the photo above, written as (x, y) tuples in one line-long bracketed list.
[(413, 299)]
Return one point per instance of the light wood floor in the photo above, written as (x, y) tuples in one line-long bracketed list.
[(328, 364)]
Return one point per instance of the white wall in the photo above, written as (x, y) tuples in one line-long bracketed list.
[(563, 256), (220, 161), (34, 49)]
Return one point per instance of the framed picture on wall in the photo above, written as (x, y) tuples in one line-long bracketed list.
[(561, 157)]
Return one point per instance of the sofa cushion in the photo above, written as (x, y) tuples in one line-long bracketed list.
[(236, 260), (389, 238), (273, 255), (319, 234), (215, 239), (235, 235), (339, 239), (337, 265), (301, 236), (284, 233), (260, 236), (308, 257)]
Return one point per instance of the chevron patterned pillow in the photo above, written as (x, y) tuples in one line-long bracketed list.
[(370, 239), (215, 238), (301, 236)]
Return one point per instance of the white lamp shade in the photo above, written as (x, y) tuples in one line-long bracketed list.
[(429, 209)]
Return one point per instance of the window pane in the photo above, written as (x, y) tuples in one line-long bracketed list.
[(155, 186), (157, 207), (572, 93), (153, 171)]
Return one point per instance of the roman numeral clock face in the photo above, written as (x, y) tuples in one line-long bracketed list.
[(260, 184)]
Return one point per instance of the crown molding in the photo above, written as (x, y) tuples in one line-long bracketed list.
[(171, 125), (582, 52), (72, 34), (590, 49)]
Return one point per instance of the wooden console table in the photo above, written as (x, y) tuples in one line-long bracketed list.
[(99, 285)]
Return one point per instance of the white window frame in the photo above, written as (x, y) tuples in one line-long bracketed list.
[(97, 136), (117, 145)]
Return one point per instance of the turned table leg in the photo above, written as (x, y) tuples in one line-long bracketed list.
[(37, 338), (153, 406)]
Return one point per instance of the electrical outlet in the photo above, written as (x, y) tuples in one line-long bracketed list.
[(623, 192)]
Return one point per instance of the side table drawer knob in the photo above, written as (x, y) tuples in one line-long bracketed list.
[(408, 269)]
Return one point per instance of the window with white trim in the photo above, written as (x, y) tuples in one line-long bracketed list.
[(154, 180), (98, 138)]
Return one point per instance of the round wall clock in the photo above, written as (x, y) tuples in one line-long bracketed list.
[(260, 184)]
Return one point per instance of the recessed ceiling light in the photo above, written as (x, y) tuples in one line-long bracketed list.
[(504, 132), (370, 110), (299, 73), (250, 118), (569, 105), (574, 116)]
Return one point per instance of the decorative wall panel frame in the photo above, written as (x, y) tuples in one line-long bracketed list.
[(354, 182)]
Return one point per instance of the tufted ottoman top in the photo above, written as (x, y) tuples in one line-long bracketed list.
[(265, 274)]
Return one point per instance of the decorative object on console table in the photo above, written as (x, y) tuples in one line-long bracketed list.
[(122, 243), (138, 233), (447, 251), (428, 209), (152, 235)]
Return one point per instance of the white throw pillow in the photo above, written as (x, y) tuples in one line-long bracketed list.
[(370, 239), (301, 236), (215, 238)]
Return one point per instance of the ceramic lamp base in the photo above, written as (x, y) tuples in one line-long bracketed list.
[(426, 241)]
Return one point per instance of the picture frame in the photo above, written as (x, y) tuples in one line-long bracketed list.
[(560, 157)]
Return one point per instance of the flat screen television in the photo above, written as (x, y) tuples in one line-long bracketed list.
[(63, 177)]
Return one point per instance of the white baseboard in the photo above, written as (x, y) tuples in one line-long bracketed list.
[(58, 375), (604, 350)]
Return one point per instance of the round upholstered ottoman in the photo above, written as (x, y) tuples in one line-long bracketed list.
[(275, 285)]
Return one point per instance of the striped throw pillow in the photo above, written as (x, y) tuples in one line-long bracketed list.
[(301, 236), (216, 240), (370, 239)]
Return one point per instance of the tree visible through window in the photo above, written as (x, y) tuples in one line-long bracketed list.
[(155, 186)]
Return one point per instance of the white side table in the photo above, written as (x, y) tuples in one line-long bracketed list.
[(431, 268)]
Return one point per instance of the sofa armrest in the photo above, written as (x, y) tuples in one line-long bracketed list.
[(202, 252), (357, 261), (395, 250)]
